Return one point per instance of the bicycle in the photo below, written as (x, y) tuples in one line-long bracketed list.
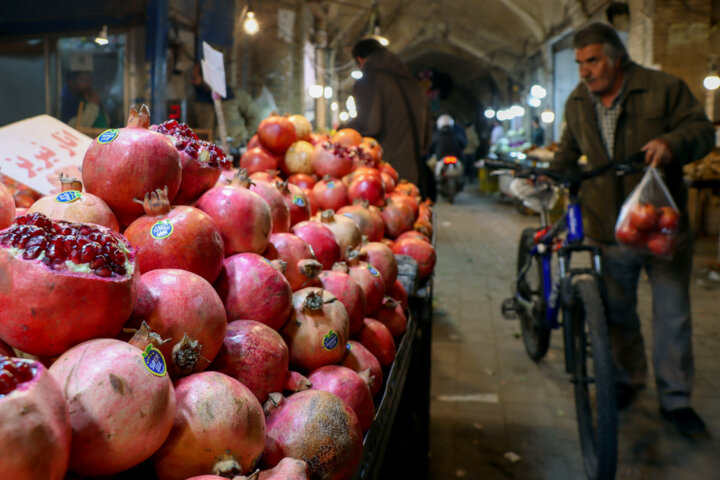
[(541, 293)]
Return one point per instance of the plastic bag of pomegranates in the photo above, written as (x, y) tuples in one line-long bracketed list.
[(649, 217)]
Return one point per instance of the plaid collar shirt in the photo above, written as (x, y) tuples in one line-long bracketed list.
[(607, 118)]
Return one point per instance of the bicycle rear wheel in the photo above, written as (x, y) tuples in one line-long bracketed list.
[(535, 334), (593, 379)]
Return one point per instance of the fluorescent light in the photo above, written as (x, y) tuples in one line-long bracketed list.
[(327, 93), (350, 103), (534, 102), (517, 111), (356, 74), (548, 116), (538, 92), (334, 106), (489, 113), (344, 116), (711, 82), (251, 25), (316, 91), (503, 115), (353, 113), (383, 41)]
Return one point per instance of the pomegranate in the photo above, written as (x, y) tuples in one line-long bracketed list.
[(122, 165), (226, 176), (353, 389), (267, 176), (668, 219), (359, 358), (6, 349), (302, 180), (660, 243), (252, 288), (254, 142), (370, 280), (24, 197), (302, 268), (121, 403), (373, 149), (412, 202), (421, 251), (316, 427), (339, 282), (287, 469), (296, 201), (330, 193), (333, 159), (276, 201), (303, 127), (643, 216), (74, 205), (387, 241), (176, 237), (7, 207), (321, 240), (296, 382), (413, 234), (369, 188), (258, 160), (381, 257), (398, 218), (201, 161), (424, 226), (407, 188), (62, 283), (347, 137), (378, 339), (368, 221), (35, 427), (317, 331), (316, 138), (216, 414), (346, 232), (314, 208), (397, 292), (276, 133), (298, 158), (186, 312), (387, 168), (243, 217), (388, 182), (392, 316)]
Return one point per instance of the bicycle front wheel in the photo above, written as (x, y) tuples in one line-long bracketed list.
[(593, 379), (535, 334)]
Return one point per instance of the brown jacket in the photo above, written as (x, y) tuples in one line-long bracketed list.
[(653, 104), (383, 114)]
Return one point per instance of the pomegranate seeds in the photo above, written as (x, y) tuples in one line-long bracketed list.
[(13, 372), (186, 140)]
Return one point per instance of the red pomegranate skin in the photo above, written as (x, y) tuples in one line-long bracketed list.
[(88, 208), (302, 180), (292, 250), (350, 387), (381, 257), (175, 303), (6, 349), (35, 430), (243, 217), (332, 159), (370, 280), (392, 316), (275, 200), (45, 312), (215, 413), (318, 428), (421, 251), (322, 241), (347, 234), (349, 293), (258, 160), (7, 207), (398, 217), (369, 223), (316, 334), (120, 411), (330, 193), (287, 469), (413, 234), (378, 339), (369, 188), (296, 201), (251, 288), (137, 161), (197, 178), (256, 355), (195, 243), (359, 358), (397, 292), (276, 133)]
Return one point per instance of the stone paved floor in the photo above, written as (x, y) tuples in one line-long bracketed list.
[(527, 408)]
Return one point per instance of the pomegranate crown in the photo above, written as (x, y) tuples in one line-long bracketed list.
[(70, 183), (139, 117), (156, 203), (241, 179)]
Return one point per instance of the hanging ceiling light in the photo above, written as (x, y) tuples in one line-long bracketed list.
[(356, 74), (102, 36), (489, 113), (712, 81), (548, 116), (250, 24), (316, 91), (538, 92)]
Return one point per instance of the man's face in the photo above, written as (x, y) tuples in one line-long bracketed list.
[(596, 69)]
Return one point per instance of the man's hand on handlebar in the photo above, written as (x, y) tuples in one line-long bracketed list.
[(657, 152)]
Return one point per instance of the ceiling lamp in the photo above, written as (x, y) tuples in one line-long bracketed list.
[(712, 81), (316, 91), (538, 92), (356, 74), (102, 37), (548, 116), (489, 113), (533, 101), (250, 25)]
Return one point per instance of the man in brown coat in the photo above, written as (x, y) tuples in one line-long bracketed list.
[(621, 108), (392, 108)]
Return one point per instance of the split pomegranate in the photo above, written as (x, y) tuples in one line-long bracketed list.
[(176, 237), (124, 164), (369, 188), (302, 268), (296, 200), (398, 217), (392, 316), (317, 331), (359, 358), (378, 339), (353, 388), (368, 221), (339, 282), (258, 160), (74, 205), (243, 217), (276, 133), (373, 149), (35, 430), (333, 159), (381, 257), (252, 288), (201, 161), (218, 423), (7, 207), (276, 201), (298, 158), (256, 355), (302, 180), (346, 232), (421, 251), (62, 283), (370, 280), (121, 403), (321, 240), (316, 427), (330, 193), (347, 137), (186, 312)]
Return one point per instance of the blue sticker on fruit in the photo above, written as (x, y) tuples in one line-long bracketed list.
[(373, 270), (154, 361), (348, 347), (330, 341), (108, 136), (349, 215), (330, 184), (161, 229), (297, 200), (68, 196)]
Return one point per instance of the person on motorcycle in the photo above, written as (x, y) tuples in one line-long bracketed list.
[(447, 140)]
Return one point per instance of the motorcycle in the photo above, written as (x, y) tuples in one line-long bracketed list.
[(449, 177)]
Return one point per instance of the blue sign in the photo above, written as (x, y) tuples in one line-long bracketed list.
[(330, 341), (161, 229), (68, 196), (154, 361), (108, 136)]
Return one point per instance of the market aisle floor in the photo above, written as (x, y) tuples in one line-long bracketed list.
[(520, 420)]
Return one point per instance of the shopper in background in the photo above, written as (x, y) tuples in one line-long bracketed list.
[(470, 152), (637, 109), (538, 134), (392, 108), (496, 134), (80, 104), (242, 116)]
